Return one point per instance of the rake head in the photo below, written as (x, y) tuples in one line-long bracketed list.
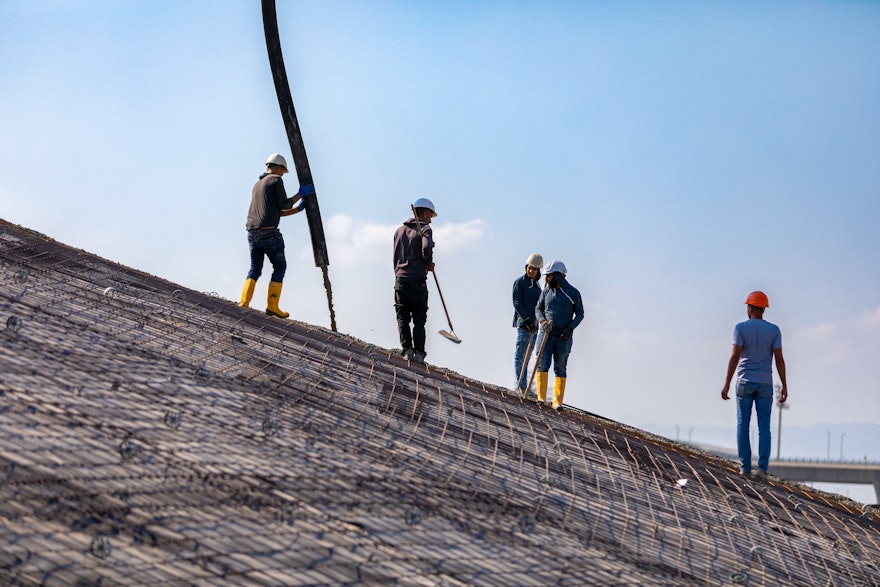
[(450, 336)]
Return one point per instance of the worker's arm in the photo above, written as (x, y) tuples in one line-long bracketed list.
[(731, 368), (299, 200), (780, 368)]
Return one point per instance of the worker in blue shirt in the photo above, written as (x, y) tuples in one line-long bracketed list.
[(756, 343)]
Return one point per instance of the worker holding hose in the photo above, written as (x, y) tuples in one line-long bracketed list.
[(269, 202), (413, 258)]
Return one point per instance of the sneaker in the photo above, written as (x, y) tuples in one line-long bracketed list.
[(407, 354), (759, 474), (744, 472), (419, 357)]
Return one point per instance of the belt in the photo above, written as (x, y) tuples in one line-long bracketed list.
[(263, 229)]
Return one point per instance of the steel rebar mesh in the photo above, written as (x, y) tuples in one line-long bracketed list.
[(153, 434)]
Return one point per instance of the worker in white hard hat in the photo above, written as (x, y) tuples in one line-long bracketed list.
[(559, 311), (269, 202), (413, 258), (526, 291)]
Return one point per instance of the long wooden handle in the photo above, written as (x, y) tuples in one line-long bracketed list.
[(434, 273), (538, 358), (525, 366)]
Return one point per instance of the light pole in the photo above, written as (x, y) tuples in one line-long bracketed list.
[(781, 407), (676, 433), (689, 434), (841, 445), (828, 432)]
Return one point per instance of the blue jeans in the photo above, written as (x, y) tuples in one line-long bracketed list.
[(271, 244), (556, 350), (523, 337), (761, 395)]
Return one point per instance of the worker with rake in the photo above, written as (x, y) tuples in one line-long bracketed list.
[(413, 258), (559, 311)]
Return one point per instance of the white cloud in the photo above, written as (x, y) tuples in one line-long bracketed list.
[(871, 318), (817, 332), (351, 240), (453, 237)]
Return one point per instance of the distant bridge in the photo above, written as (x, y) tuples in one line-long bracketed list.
[(828, 472), (813, 470)]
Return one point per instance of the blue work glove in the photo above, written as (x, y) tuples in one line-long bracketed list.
[(307, 189)]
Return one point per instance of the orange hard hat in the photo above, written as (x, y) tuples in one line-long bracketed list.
[(758, 299)]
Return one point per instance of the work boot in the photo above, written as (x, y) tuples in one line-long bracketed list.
[(274, 296), (419, 356), (407, 354), (759, 474), (558, 392), (247, 293), (541, 381)]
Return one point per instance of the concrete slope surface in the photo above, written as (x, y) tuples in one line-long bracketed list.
[(155, 435)]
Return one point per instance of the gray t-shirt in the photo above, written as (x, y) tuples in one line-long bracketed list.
[(268, 199), (758, 339)]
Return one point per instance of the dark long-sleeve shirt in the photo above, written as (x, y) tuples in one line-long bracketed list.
[(563, 305), (412, 254), (526, 292)]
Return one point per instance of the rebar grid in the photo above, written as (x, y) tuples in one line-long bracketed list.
[(152, 434)]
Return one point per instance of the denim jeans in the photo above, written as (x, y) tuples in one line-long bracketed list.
[(523, 337), (271, 244), (556, 350), (761, 395)]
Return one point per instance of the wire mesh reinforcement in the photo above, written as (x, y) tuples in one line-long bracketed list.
[(150, 434)]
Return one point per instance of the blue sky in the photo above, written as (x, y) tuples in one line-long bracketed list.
[(675, 155)]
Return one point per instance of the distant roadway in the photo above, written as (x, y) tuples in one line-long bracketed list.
[(816, 471)]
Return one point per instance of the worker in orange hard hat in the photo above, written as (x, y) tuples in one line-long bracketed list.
[(756, 343)]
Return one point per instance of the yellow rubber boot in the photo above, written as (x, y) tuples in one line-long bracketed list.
[(558, 392), (274, 296), (247, 293), (541, 383)]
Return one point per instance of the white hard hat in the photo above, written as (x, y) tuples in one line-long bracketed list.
[(425, 203), (554, 267), (535, 260), (276, 159)]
